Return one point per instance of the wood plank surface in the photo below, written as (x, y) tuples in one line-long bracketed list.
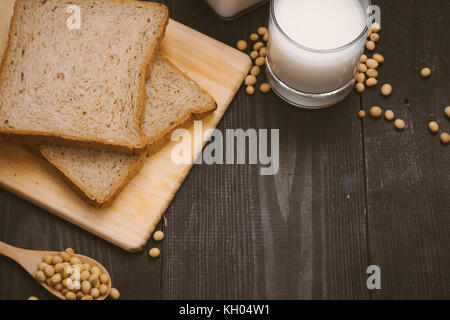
[(130, 220), (408, 172), (233, 234)]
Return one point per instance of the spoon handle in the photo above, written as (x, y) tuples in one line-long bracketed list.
[(7, 250), (17, 254)]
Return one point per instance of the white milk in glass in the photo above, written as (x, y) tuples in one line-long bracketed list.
[(315, 45)]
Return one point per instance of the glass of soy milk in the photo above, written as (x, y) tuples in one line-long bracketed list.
[(314, 49)]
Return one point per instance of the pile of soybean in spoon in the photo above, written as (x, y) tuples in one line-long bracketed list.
[(75, 280)]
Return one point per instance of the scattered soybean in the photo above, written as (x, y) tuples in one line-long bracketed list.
[(241, 45)]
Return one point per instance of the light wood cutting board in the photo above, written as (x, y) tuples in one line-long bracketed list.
[(132, 218)]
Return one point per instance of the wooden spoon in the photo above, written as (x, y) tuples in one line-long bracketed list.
[(30, 260)]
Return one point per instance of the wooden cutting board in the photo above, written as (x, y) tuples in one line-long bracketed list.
[(132, 218)]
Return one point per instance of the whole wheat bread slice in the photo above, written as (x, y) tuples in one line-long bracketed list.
[(100, 176), (82, 87)]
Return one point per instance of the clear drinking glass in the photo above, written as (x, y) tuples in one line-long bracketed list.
[(309, 77)]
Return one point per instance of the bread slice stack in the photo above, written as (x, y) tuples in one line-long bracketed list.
[(99, 176), (81, 98)]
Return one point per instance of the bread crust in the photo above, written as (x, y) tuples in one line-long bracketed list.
[(84, 193), (34, 138)]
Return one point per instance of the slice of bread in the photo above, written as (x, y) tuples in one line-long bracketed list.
[(82, 87), (100, 176)]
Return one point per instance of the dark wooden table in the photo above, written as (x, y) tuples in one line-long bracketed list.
[(349, 193)]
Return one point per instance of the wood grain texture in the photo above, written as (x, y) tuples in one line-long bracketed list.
[(130, 220), (408, 172), (233, 234)]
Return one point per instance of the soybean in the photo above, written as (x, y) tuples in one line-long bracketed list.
[(260, 61), (250, 80), (376, 112), (445, 138), (258, 46), (254, 54), (375, 27), (95, 293), (59, 267), (362, 67), (386, 89), (85, 267), (241, 45), (95, 270), (56, 278), (65, 256), (361, 114), (372, 64), (103, 289), (254, 37), (86, 287), (263, 52), (85, 275), (399, 124), (389, 115), (95, 282), (370, 45), (375, 37), (67, 271), (371, 82), (57, 259), (48, 259), (154, 253), (425, 72), (372, 73), (42, 266), (74, 261), (104, 278), (49, 271), (255, 70), (360, 87), (250, 90), (360, 77), (264, 87), (71, 296), (433, 126), (40, 276), (262, 31), (447, 111), (378, 57), (114, 294)]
